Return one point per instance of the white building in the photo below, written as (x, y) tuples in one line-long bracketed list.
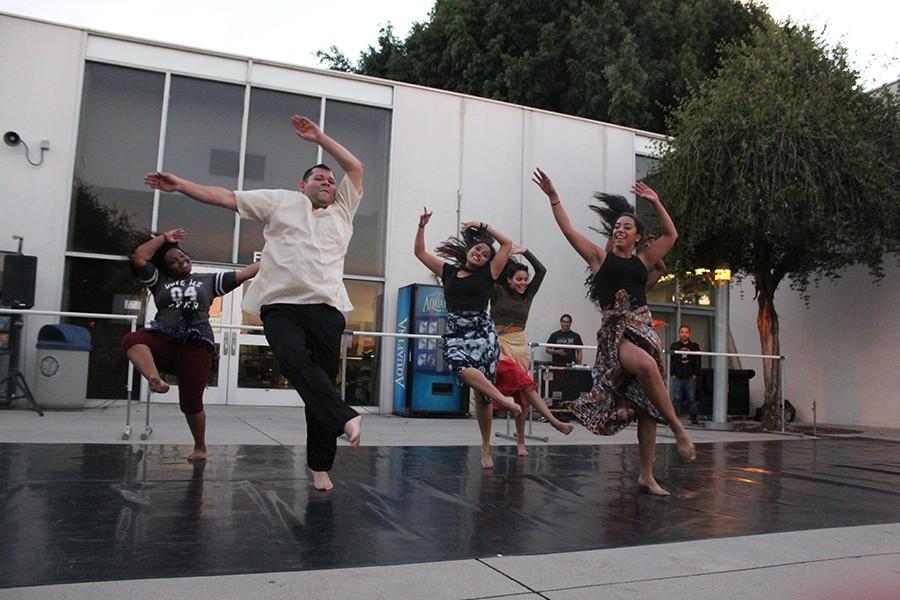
[(114, 109)]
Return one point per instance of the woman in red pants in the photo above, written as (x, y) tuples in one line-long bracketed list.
[(180, 339)]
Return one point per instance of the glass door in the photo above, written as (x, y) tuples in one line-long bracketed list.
[(254, 376)]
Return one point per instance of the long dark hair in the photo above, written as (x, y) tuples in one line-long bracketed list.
[(454, 249), (611, 207)]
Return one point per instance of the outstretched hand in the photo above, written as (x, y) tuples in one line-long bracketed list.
[(306, 128), (159, 180), (643, 190), (424, 217), (543, 182), (173, 236)]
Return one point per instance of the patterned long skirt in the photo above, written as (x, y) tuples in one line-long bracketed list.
[(617, 398), (513, 376), (470, 341)]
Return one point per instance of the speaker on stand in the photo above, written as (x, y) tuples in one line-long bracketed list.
[(19, 276)]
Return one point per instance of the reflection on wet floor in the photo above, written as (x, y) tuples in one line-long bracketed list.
[(75, 512)]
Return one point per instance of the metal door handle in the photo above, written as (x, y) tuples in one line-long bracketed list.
[(234, 335)]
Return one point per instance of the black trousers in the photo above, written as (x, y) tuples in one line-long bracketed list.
[(306, 340)]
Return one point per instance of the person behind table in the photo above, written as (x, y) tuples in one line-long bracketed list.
[(511, 299), (300, 294), (470, 341), (565, 335), (684, 369), (628, 382), (179, 339)]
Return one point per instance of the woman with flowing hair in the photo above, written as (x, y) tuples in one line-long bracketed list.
[(628, 374), (511, 299), (468, 266)]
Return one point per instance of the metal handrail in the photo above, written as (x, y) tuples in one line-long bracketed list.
[(779, 357)]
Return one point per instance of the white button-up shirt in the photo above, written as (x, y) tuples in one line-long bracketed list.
[(303, 257)]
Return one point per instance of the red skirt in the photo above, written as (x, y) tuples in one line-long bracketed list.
[(512, 380)]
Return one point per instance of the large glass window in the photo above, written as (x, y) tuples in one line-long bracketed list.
[(276, 158), (118, 142), (112, 210), (362, 354), (203, 139), (259, 368), (365, 131)]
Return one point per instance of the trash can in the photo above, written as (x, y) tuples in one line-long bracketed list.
[(63, 355)]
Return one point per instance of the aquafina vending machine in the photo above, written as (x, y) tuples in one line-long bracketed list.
[(423, 384)]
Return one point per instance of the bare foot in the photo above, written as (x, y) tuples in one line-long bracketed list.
[(686, 448), (512, 406), (563, 428), (523, 451), (158, 386), (198, 454), (651, 487), (487, 461), (353, 429), (321, 481)]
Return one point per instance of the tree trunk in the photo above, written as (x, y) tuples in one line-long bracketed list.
[(767, 324)]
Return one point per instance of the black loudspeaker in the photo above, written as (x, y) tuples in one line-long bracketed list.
[(19, 274)]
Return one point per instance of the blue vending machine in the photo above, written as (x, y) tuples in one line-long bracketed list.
[(423, 384)]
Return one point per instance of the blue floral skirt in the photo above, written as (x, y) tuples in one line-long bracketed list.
[(470, 341)]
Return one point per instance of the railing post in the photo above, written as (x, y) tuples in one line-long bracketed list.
[(345, 337), (781, 388)]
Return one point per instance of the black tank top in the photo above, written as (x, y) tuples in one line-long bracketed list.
[(617, 273)]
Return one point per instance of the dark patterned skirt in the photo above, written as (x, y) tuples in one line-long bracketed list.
[(470, 341), (617, 396)]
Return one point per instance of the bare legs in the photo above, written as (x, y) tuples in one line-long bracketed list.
[(536, 401), (476, 380), (142, 359), (484, 412), (647, 452), (197, 425), (640, 364), (521, 450)]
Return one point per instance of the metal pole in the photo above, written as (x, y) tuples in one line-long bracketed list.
[(720, 362), (344, 339), (781, 389)]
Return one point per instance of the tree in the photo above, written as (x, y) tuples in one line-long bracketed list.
[(782, 167), (624, 61)]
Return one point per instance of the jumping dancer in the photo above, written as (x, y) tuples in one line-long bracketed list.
[(300, 293), (470, 342), (179, 340), (511, 298), (628, 372)]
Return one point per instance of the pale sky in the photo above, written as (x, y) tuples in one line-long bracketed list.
[(291, 31)]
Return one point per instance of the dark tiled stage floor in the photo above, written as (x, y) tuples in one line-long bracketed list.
[(99, 512)]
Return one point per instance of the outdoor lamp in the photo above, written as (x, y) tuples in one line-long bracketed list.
[(722, 274)]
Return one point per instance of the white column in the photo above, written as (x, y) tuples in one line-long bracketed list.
[(720, 363)]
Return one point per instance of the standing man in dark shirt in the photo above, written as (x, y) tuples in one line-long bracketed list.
[(565, 335), (684, 369)]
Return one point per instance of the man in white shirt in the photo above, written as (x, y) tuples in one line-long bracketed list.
[(299, 292)]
